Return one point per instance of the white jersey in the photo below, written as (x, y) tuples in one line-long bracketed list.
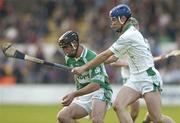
[(125, 72), (132, 45)]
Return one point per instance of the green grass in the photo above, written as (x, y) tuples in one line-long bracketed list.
[(47, 114)]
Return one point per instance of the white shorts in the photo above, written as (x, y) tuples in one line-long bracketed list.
[(85, 101), (147, 81)]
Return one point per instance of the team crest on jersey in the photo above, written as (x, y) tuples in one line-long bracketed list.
[(99, 77), (97, 70), (83, 78)]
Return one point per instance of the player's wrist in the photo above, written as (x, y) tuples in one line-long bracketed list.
[(111, 64), (163, 57), (86, 67), (75, 93)]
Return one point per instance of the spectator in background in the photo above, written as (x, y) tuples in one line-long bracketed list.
[(27, 22), (2, 8)]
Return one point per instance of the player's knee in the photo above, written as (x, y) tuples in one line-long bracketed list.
[(62, 117), (118, 107), (134, 115), (96, 119), (157, 119)]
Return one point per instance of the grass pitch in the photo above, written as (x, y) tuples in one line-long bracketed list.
[(47, 114)]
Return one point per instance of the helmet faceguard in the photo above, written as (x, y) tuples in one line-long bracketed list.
[(69, 38)]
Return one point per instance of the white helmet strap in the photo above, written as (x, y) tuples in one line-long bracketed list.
[(119, 18), (73, 45)]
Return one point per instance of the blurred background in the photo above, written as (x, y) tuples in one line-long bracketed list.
[(34, 27)]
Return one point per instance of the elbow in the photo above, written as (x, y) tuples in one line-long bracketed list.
[(106, 54), (97, 87)]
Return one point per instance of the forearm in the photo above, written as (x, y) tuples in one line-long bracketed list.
[(159, 58), (111, 60), (119, 64), (87, 89), (101, 58)]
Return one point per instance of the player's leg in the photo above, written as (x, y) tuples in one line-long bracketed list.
[(147, 118), (125, 97), (70, 113), (99, 109), (153, 102), (151, 92), (134, 109)]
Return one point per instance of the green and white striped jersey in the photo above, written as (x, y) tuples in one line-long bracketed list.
[(94, 75)]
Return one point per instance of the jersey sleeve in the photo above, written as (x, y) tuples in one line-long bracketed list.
[(120, 46)]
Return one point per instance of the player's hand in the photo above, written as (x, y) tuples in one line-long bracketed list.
[(173, 53), (78, 70), (67, 100), (163, 57)]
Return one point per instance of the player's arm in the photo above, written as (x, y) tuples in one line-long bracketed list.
[(119, 64), (67, 99), (111, 59), (87, 89), (100, 58), (173, 53), (113, 62), (159, 58), (97, 79)]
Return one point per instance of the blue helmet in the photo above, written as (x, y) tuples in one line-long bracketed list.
[(120, 10)]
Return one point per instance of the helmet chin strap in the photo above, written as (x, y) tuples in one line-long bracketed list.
[(75, 48), (120, 29), (122, 23), (119, 18)]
